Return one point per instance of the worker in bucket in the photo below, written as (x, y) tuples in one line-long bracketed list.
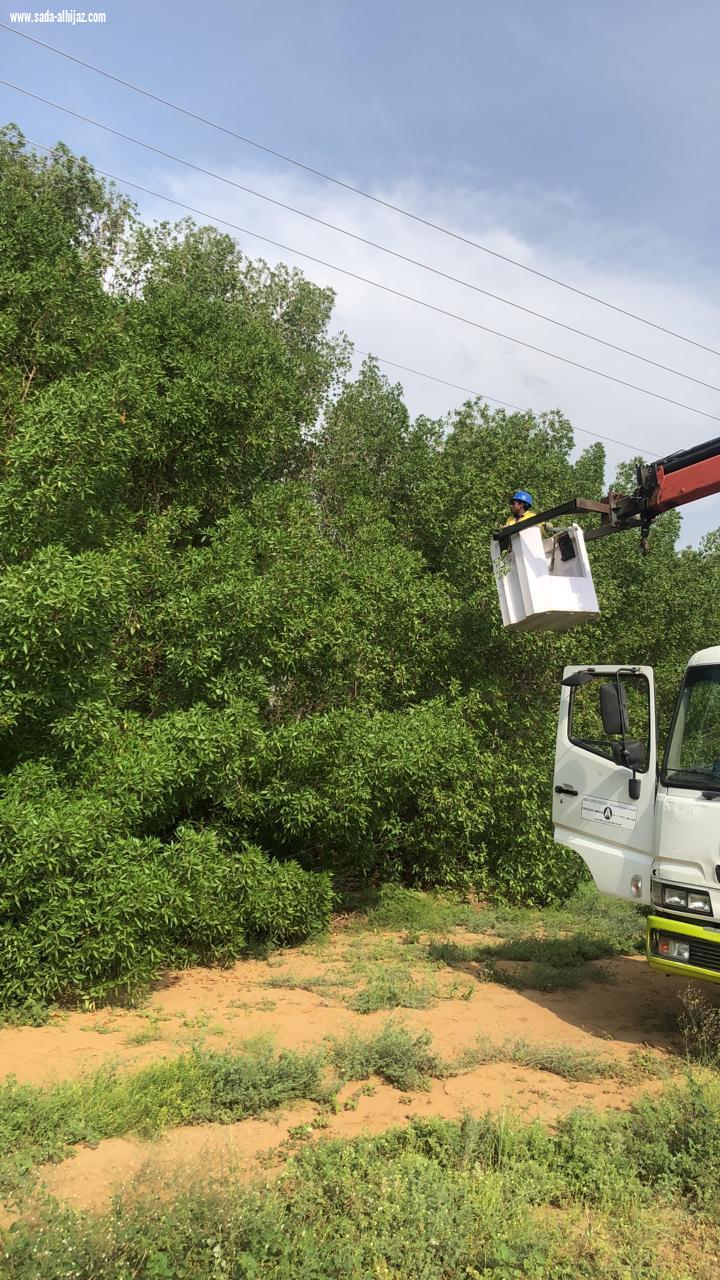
[(520, 506)]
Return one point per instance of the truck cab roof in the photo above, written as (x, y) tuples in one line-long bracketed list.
[(706, 657)]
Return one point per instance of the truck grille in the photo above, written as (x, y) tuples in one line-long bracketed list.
[(706, 955)]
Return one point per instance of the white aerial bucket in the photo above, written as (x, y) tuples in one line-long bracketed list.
[(544, 584)]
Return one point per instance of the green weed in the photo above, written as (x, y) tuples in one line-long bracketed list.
[(39, 1125), (540, 964), (490, 1198), (43, 1124), (314, 982), (31, 1014), (146, 1035), (393, 1054), (616, 927), (393, 989), (698, 1021), (400, 908), (253, 1006), (566, 1061)]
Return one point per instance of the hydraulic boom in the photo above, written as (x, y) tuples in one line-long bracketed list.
[(670, 482), (646, 823)]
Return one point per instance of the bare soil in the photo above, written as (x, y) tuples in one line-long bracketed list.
[(224, 1008)]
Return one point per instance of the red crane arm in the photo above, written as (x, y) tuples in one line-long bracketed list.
[(685, 477)]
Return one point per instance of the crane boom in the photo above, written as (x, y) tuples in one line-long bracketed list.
[(673, 481), (682, 477)]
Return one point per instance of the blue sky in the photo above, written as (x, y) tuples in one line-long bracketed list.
[(577, 137)]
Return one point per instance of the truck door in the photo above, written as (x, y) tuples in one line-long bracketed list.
[(606, 774)]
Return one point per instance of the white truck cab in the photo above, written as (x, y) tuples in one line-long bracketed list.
[(648, 828)]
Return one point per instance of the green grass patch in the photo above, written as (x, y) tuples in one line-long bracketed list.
[(600, 1195), (322, 982), (398, 908), (560, 953), (44, 1124), (253, 1006), (146, 1035), (540, 964), (394, 1054), (551, 949), (393, 989), (566, 1061), (386, 984), (618, 926), (38, 1125)]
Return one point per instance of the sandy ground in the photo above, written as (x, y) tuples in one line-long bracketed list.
[(223, 1008), (94, 1175)]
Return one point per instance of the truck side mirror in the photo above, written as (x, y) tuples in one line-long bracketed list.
[(632, 754), (636, 755), (613, 709)]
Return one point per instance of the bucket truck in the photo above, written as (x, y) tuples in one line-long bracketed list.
[(647, 823)]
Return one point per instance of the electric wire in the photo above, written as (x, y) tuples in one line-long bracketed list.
[(398, 293), (595, 435), (635, 450), (394, 253), (358, 191), (456, 386)]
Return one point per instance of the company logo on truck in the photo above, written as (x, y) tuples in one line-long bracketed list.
[(596, 809)]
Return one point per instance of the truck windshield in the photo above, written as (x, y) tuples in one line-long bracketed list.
[(693, 752)]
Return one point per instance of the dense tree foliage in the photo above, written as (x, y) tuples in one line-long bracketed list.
[(250, 636)]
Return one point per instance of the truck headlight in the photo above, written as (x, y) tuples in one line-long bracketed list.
[(684, 899), (677, 950), (669, 948)]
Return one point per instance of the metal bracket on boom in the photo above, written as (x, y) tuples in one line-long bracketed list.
[(574, 505), (670, 482)]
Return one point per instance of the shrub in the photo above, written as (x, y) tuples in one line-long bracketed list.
[(394, 795), (244, 596), (393, 1053), (699, 1023), (87, 912)]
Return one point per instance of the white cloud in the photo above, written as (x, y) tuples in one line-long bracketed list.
[(595, 257)]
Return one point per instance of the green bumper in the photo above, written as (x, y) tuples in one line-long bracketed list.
[(704, 949)]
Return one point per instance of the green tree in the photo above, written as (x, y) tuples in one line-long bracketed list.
[(250, 630)]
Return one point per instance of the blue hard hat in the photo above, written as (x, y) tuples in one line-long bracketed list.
[(522, 495)]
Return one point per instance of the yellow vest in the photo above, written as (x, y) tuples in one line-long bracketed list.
[(542, 527), (527, 516)]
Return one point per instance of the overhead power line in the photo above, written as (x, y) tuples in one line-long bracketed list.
[(372, 355), (396, 293), (595, 435), (373, 244), (393, 363), (358, 191)]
